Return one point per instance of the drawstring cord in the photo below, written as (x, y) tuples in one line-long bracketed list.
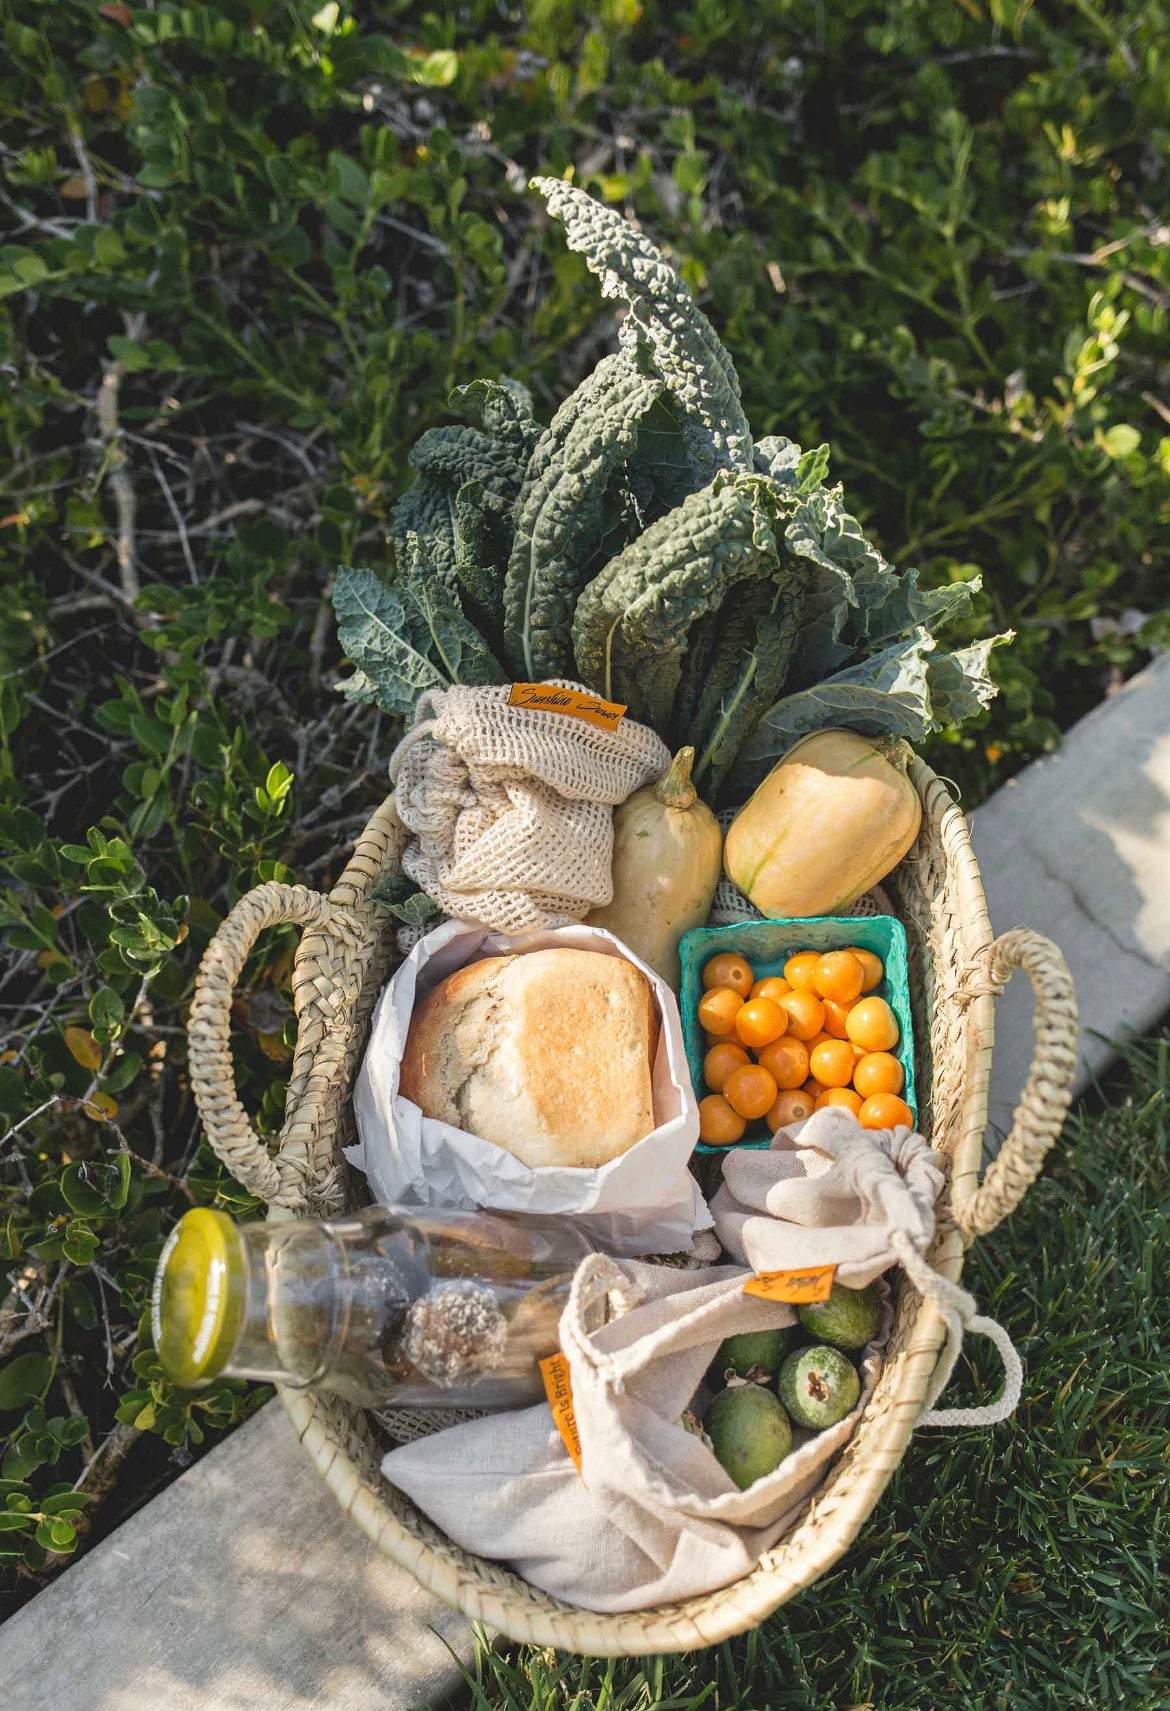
[(597, 1275), (422, 727), (957, 1309)]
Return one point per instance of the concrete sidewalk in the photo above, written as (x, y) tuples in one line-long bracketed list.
[(1078, 846), (242, 1587)]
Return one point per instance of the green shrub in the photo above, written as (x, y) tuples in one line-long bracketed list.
[(250, 248)]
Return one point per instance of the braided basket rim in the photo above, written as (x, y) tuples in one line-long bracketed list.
[(343, 960)]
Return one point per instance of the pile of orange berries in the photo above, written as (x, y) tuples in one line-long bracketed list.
[(782, 1047)]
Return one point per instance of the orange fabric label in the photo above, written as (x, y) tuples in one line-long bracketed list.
[(551, 698), (558, 1387), (813, 1284)]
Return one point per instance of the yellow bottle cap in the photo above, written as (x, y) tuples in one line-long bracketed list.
[(197, 1301)]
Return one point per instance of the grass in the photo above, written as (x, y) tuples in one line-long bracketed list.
[(1016, 1567)]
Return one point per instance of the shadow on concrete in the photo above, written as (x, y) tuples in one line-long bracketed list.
[(242, 1587)]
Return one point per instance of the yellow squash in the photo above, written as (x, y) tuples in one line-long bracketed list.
[(666, 848), (830, 820)]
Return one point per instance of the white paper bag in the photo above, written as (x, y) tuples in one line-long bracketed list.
[(644, 1202)]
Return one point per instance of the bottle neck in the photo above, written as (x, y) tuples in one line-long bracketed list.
[(295, 1304)]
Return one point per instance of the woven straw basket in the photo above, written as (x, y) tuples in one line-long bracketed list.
[(345, 955)]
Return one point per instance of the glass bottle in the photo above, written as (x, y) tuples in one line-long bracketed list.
[(388, 1306)]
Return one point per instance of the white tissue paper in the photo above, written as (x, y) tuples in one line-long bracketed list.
[(645, 1202)]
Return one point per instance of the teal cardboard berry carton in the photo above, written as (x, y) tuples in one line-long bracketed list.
[(767, 945)]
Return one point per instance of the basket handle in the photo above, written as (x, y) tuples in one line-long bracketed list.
[(1044, 1103), (279, 1181)]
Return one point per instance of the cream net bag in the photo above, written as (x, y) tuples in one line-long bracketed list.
[(511, 808)]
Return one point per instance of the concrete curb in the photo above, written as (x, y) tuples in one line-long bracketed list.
[(1078, 846)]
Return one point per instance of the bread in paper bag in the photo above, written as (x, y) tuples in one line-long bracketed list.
[(548, 1054), (642, 1201)]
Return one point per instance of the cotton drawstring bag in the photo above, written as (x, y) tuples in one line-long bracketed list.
[(511, 807), (651, 1517), (828, 1192)]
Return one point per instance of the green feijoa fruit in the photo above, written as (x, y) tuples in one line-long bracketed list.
[(848, 1319), (749, 1432), (818, 1387), (757, 1355)]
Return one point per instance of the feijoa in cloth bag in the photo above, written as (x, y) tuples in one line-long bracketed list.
[(650, 1515), (347, 949), (829, 1193)]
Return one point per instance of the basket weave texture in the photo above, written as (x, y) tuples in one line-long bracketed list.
[(346, 953)]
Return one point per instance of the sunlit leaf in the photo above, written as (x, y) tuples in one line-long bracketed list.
[(82, 1046)]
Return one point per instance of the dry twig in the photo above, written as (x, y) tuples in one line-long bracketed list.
[(125, 499)]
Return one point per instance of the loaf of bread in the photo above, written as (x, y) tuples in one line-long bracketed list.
[(547, 1053)]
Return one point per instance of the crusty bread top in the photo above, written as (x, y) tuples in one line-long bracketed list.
[(547, 1053)]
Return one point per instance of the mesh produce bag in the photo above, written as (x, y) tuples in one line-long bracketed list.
[(511, 808)]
